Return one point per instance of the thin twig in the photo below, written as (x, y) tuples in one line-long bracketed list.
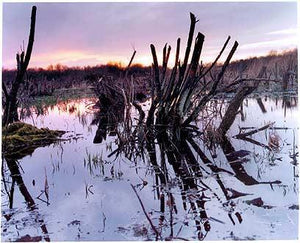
[(147, 216), (217, 58)]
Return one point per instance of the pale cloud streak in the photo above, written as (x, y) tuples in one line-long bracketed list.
[(282, 43), (289, 31), (81, 34)]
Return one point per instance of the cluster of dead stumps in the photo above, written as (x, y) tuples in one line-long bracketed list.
[(167, 132)]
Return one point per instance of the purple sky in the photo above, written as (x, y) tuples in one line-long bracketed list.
[(96, 33)]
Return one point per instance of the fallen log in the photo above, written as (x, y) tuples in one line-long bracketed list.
[(246, 134)]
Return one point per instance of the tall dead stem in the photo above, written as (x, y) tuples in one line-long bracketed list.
[(11, 104)]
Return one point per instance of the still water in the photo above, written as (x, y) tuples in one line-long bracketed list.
[(82, 194)]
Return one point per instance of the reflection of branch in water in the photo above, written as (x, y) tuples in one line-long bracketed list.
[(287, 103), (16, 176), (158, 235), (88, 190), (45, 191), (178, 152), (104, 220), (5, 182), (180, 156), (11, 194), (188, 170), (240, 172), (250, 140), (261, 105), (150, 146), (174, 147)]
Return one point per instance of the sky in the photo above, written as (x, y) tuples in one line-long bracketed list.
[(81, 34)]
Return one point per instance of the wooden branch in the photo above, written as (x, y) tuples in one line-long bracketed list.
[(235, 104), (10, 111), (177, 53), (18, 62), (188, 47), (204, 158), (191, 82), (226, 63), (250, 140), (172, 81), (182, 69), (131, 59), (167, 85), (213, 89), (261, 105), (246, 134), (147, 216), (31, 39), (166, 56), (22, 57), (156, 72), (196, 54), (129, 64), (232, 109), (217, 58)]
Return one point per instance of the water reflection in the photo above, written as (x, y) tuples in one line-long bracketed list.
[(16, 179), (182, 154), (190, 173), (188, 190), (107, 121), (78, 108)]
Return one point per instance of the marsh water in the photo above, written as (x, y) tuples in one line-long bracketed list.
[(81, 193)]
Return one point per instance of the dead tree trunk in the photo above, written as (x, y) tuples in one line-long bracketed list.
[(11, 104), (234, 105)]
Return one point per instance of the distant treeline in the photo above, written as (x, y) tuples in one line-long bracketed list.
[(277, 63), (64, 77), (60, 76)]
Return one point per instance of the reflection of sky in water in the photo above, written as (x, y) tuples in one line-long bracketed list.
[(112, 202), (254, 115)]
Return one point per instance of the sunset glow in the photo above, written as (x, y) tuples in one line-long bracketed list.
[(109, 32)]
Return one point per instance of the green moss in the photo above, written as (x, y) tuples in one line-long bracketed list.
[(41, 102), (20, 139), (12, 127)]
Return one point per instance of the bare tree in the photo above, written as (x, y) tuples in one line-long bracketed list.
[(11, 98)]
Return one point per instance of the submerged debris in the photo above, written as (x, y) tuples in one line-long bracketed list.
[(258, 202), (28, 238), (294, 207), (74, 222)]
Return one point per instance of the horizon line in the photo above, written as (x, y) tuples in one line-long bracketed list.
[(122, 64)]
